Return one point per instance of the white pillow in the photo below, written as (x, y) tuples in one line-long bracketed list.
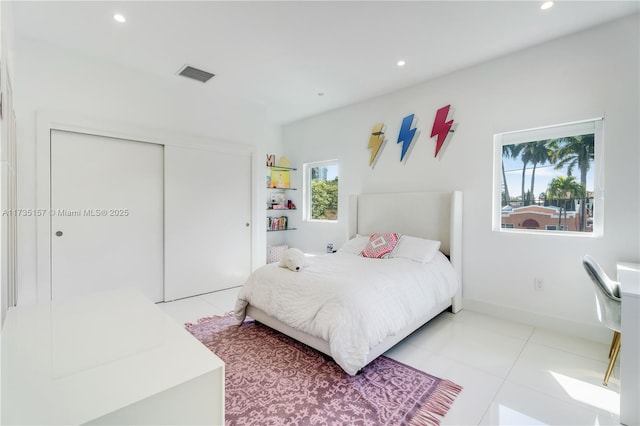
[(414, 248), (354, 245)]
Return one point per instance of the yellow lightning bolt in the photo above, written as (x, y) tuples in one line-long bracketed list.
[(375, 141)]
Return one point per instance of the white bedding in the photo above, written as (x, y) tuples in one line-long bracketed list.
[(352, 302)]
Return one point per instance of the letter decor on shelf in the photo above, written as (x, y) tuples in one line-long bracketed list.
[(271, 160), (409, 133)]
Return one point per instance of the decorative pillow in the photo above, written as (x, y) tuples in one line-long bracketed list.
[(355, 245), (380, 245), (414, 248)]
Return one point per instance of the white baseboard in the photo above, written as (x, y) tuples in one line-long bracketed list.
[(597, 333)]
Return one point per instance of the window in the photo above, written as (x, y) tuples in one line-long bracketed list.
[(321, 191), (546, 180)]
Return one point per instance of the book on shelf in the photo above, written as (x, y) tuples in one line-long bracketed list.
[(277, 223)]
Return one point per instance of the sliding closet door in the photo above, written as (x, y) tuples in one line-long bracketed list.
[(106, 215), (207, 221)]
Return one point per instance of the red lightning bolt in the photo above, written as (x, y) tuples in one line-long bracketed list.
[(441, 127)]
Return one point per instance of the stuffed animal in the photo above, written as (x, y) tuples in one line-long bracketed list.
[(293, 259)]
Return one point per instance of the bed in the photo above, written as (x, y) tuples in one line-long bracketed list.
[(354, 309)]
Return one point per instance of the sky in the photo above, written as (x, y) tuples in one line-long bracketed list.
[(332, 171), (544, 175)]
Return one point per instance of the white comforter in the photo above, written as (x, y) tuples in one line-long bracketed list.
[(352, 302)]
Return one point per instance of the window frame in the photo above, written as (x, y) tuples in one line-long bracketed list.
[(594, 126), (306, 190)]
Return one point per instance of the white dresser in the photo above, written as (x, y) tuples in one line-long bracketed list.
[(106, 358), (629, 278)]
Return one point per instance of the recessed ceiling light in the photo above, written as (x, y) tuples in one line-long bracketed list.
[(546, 5), (401, 63), (119, 17)]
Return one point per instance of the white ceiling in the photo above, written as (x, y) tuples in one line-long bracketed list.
[(282, 54)]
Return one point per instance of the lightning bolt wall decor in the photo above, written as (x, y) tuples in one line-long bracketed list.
[(407, 134), (376, 143), (441, 127)]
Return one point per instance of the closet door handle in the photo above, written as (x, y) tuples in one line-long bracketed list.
[(246, 224), (58, 233)]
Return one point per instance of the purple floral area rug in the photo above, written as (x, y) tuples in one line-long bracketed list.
[(272, 379)]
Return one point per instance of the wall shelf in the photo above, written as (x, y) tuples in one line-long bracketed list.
[(278, 183), (282, 168)]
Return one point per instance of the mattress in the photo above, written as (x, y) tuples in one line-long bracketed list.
[(352, 302)]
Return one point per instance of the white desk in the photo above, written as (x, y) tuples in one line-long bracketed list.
[(629, 278), (106, 358)]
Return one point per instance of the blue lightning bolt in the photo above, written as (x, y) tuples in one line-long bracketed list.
[(406, 134)]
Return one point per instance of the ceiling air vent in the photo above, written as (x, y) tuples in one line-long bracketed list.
[(195, 73)]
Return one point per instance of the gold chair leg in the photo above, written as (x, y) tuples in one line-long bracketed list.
[(616, 336), (614, 356), (613, 343)]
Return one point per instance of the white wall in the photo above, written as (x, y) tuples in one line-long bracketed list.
[(54, 80), (4, 286), (587, 75), (7, 164)]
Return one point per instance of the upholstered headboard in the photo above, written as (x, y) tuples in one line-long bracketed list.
[(432, 215)]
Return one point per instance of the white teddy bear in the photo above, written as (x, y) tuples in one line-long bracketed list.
[(293, 259)]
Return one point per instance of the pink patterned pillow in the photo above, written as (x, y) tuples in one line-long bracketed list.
[(380, 245)]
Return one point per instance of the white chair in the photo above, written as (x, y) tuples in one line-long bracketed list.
[(608, 304)]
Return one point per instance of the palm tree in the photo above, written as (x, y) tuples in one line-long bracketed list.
[(524, 169), (514, 151), (575, 152), (508, 151), (566, 189), (536, 153)]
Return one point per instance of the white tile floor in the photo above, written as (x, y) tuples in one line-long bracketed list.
[(512, 374)]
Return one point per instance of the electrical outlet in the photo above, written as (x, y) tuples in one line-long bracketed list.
[(538, 284)]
